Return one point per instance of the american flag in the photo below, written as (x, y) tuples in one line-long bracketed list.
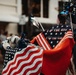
[(27, 61), (57, 43), (51, 37)]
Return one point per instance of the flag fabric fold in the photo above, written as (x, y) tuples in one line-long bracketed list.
[(48, 39), (56, 59), (51, 57), (27, 61), (42, 41)]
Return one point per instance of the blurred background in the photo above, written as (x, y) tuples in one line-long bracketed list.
[(15, 15)]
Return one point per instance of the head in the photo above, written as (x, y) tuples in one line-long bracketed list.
[(61, 18), (5, 33)]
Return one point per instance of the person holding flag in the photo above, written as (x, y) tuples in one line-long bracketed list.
[(57, 53)]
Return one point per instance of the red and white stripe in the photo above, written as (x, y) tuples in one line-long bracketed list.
[(26, 62), (41, 40), (68, 35)]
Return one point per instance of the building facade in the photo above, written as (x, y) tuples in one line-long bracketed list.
[(45, 11), (10, 10)]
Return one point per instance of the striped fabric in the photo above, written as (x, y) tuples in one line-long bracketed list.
[(41, 40), (50, 38), (28, 61), (68, 35), (58, 43)]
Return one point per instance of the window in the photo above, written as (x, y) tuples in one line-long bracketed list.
[(45, 8), (36, 8), (25, 7), (39, 8)]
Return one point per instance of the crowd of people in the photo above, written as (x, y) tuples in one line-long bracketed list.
[(4, 36)]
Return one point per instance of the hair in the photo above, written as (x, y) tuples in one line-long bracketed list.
[(5, 33), (62, 18)]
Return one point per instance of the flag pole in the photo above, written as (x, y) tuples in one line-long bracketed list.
[(38, 23), (41, 26), (71, 21)]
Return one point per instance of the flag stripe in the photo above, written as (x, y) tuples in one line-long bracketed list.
[(40, 41), (22, 60), (32, 65), (18, 54), (33, 71), (14, 65), (21, 67), (43, 42), (68, 34)]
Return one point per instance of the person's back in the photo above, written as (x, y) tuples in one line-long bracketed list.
[(53, 37), (61, 19)]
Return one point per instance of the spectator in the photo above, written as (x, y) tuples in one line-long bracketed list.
[(3, 36), (61, 19)]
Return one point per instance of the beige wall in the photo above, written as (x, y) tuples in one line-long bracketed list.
[(52, 13), (8, 7), (12, 28), (10, 11)]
